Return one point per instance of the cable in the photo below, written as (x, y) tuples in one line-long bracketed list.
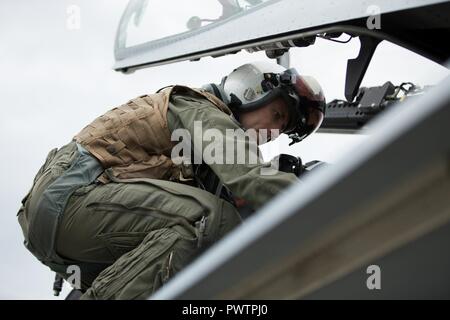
[(335, 40), (401, 87)]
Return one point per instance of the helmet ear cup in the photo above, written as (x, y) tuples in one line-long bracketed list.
[(216, 90), (223, 94)]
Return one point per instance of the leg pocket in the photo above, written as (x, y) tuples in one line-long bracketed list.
[(138, 273), (119, 243)]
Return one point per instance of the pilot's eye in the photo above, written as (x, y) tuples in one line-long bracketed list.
[(276, 115)]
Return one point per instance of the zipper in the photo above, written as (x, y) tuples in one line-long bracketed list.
[(148, 211), (201, 231), (169, 264)]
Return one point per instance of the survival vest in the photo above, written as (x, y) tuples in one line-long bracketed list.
[(133, 140)]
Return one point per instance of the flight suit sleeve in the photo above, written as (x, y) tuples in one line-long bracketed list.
[(249, 181)]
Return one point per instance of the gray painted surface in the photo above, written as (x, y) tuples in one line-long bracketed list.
[(419, 270), (276, 18)]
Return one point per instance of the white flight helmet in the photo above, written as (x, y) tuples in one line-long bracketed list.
[(253, 85)]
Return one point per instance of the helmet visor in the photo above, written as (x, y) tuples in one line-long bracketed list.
[(314, 118), (308, 114)]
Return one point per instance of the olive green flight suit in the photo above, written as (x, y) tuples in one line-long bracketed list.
[(130, 237)]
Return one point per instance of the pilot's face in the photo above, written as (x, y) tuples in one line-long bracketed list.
[(273, 115)]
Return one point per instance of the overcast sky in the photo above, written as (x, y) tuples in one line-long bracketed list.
[(55, 80)]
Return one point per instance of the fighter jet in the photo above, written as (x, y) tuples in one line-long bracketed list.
[(376, 226)]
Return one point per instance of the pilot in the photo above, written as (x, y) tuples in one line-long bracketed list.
[(117, 215)]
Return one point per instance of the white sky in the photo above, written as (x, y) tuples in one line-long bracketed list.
[(54, 81)]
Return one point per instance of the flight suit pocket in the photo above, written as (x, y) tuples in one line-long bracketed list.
[(133, 274), (119, 243)]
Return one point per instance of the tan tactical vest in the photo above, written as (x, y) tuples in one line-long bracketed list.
[(134, 139)]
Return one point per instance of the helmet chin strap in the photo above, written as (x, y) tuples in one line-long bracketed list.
[(234, 102)]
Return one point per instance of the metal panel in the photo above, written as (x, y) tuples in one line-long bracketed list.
[(260, 26), (418, 270)]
